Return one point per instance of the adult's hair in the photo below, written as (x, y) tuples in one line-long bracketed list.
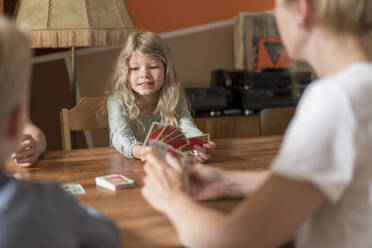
[(343, 15), (15, 58)]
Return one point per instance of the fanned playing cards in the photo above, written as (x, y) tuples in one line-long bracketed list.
[(173, 136), (168, 139)]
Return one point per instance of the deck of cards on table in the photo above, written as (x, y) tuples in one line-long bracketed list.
[(114, 182), (173, 136)]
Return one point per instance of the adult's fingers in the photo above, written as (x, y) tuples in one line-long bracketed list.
[(173, 162), (151, 158), (196, 167), (26, 137), (26, 161), (30, 141), (146, 150), (24, 153), (25, 164), (154, 175), (25, 145)]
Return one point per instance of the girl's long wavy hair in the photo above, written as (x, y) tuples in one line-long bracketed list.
[(170, 94)]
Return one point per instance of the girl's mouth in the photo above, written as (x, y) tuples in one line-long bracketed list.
[(146, 84)]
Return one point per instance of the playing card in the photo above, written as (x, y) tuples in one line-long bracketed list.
[(114, 181), (74, 189), (198, 140), (176, 132), (161, 149), (168, 130), (176, 153), (155, 131), (178, 142)]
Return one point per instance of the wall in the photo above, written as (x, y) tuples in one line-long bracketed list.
[(200, 34), (167, 15)]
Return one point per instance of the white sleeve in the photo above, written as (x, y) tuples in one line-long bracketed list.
[(121, 135), (318, 145), (186, 122)]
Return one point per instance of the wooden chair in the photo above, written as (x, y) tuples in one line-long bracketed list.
[(82, 117), (274, 121)]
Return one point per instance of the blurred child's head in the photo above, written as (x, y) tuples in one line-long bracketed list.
[(295, 17), (151, 46), (352, 16), (14, 83)]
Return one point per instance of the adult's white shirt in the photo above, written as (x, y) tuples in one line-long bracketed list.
[(329, 144)]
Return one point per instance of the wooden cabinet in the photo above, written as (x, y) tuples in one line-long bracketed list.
[(275, 120), (266, 122), (229, 126)]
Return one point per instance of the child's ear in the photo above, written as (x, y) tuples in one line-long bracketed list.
[(305, 14), (16, 122)]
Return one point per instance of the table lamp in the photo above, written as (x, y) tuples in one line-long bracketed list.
[(74, 23)]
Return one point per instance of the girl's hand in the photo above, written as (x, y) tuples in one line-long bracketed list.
[(202, 152), (138, 151), (27, 152), (162, 181), (206, 182)]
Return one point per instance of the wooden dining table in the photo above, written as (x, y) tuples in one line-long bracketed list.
[(140, 224)]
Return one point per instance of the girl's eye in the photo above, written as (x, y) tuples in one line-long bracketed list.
[(133, 68), (154, 67)]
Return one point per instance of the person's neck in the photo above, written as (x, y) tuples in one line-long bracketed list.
[(329, 53), (148, 103)]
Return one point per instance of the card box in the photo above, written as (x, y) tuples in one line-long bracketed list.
[(114, 182)]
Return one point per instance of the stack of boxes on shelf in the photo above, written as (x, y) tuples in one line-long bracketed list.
[(264, 77), (257, 44)]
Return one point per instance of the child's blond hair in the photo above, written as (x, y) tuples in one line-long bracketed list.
[(343, 15), (170, 94), (15, 68)]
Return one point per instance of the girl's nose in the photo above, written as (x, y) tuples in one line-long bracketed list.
[(144, 72)]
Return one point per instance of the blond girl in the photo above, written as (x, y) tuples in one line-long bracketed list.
[(145, 89)]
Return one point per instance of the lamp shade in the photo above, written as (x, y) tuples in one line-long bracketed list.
[(75, 23)]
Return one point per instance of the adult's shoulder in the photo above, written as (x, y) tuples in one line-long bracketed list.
[(28, 204), (323, 95), (38, 194), (46, 209), (356, 83)]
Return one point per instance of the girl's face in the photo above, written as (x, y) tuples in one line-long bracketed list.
[(146, 74)]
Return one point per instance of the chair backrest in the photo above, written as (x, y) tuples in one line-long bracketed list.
[(82, 117), (274, 121)]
